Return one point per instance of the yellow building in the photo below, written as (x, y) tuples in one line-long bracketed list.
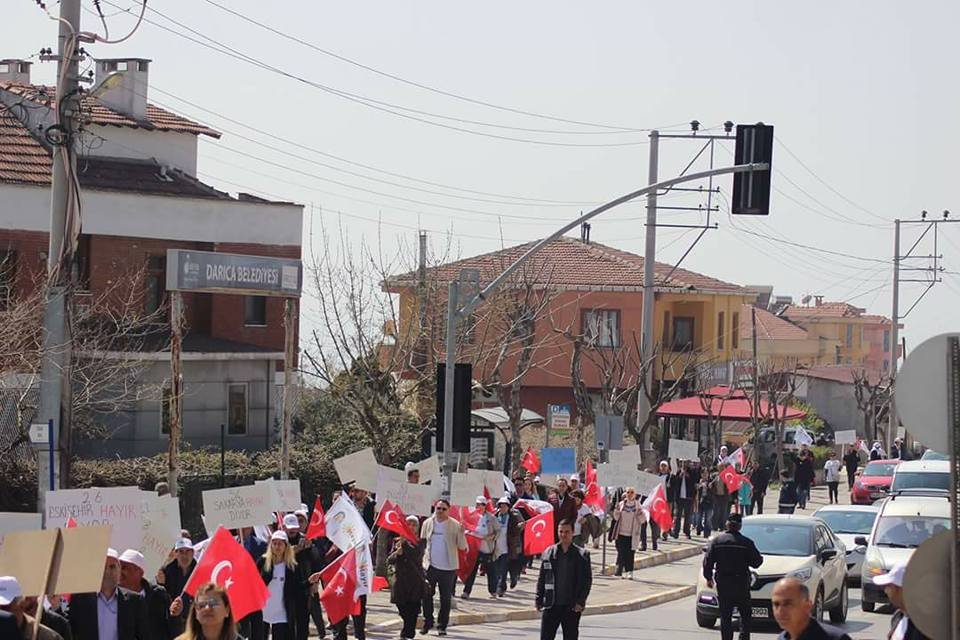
[(837, 326), (778, 340)]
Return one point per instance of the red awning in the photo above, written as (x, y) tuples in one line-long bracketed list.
[(737, 409)]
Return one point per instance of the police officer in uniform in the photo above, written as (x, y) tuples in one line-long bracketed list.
[(728, 563)]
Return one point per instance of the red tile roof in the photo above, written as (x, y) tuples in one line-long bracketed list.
[(22, 158), (571, 263), (157, 119), (823, 310), (770, 326)]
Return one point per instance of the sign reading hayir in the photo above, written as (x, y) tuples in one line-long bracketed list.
[(208, 271)]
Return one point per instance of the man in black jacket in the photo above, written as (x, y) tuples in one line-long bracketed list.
[(156, 600), (174, 577), (760, 479), (851, 460), (117, 614), (804, 476), (684, 489), (727, 567), (792, 608), (563, 586)]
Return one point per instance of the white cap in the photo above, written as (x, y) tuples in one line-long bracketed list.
[(183, 543), (303, 507), (290, 521), (280, 535), (9, 590), (302, 512), (481, 500), (574, 476), (410, 466), (112, 553), (504, 500), (134, 557), (894, 576)]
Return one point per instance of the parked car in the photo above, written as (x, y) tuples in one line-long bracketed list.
[(796, 546), (922, 474), (767, 442), (905, 521), (930, 454), (873, 482), (847, 522)]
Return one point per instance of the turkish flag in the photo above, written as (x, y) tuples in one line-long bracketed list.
[(393, 519), (593, 496), (469, 518), (317, 527), (228, 565), (530, 461), (658, 509), (468, 558), (340, 580), (738, 458), (590, 474), (731, 478), (538, 534)]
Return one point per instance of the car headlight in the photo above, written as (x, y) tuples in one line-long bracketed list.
[(801, 574)]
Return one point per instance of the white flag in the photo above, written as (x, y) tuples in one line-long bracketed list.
[(802, 437), (346, 529)]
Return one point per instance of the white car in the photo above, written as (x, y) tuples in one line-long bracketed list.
[(794, 546), (921, 474), (847, 521), (905, 520)]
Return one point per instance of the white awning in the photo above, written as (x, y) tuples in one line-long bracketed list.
[(498, 416)]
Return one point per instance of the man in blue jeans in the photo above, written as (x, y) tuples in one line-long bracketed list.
[(444, 539)]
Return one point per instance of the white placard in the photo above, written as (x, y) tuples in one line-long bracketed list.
[(429, 469), (845, 437), (466, 488), (391, 474), (901, 432), (413, 499), (647, 482), (683, 450), (14, 521), (491, 480), (161, 529), (236, 507), (119, 507), (284, 494), (627, 454), (360, 468), (548, 479), (614, 474)]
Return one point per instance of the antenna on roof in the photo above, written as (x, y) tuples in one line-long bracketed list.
[(805, 300)]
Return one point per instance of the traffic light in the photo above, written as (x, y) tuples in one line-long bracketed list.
[(751, 189), (462, 401)]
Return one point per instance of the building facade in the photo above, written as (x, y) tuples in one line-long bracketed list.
[(140, 196)]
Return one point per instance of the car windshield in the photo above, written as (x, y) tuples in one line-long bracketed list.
[(779, 539), (930, 454), (874, 469), (849, 521), (907, 532), (921, 480)]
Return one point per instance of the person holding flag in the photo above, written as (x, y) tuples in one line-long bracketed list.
[(628, 519), (444, 538), (486, 529), (563, 585), (286, 608), (530, 461), (339, 595), (409, 582), (509, 545), (347, 529)]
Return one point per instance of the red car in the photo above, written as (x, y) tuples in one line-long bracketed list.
[(873, 482)]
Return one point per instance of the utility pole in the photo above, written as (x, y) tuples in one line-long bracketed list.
[(289, 354), (56, 351), (894, 337), (649, 263), (453, 304), (755, 401)]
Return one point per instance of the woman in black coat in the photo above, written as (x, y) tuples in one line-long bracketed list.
[(287, 582), (409, 581)]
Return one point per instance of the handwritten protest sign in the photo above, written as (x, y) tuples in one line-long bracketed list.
[(161, 529), (119, 507), (683, 450), (360, 468), (429, 469), (56, 560), (845, 437), (284, 494), (389, 474), (247, 506), (492, 481), (629, 454), (10, 522), (647, 483), (549, 479), (415, 499), (558, 460), (465, 489), (616, 474)]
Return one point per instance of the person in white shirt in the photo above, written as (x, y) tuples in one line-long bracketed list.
[(831, 475), (287, 583), (444, 538)]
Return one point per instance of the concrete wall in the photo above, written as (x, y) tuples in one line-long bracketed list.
[(834, 402), (166, 147), (137, 432)]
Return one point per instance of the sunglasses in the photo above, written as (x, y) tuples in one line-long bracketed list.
[(208, 604), (440, 509)]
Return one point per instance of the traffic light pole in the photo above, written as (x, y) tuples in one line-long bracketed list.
[(455, 311)]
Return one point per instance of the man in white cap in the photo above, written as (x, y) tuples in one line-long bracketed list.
[(14, 620), (174, 579), (109, 614), (413, 474), (488, 527), (155, 598), (901, 626)]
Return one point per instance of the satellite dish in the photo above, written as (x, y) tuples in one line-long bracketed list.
[(805, 300), (921, 392), (926, 586)]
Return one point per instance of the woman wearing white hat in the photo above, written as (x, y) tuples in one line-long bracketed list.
[(287, 583)]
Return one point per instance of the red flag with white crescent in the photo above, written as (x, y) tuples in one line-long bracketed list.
[(731, 478), (317, 527), (228, 565), (393, 519), (530, 461), (658, 509), (340, 580), (538, 534)]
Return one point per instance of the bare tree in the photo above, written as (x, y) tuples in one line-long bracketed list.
[(873, 401), (779, 382)]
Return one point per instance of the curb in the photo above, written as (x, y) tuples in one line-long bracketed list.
[(662, 558), (463, 619)]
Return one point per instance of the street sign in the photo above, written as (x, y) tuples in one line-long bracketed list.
[(209, 271), (921, 392), (559, 417), (751, 189)]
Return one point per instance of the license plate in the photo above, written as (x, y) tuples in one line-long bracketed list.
[(759, 612)]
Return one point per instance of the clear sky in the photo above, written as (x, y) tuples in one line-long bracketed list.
[(864, 96)]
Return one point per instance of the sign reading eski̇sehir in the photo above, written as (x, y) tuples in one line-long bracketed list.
[(207, 271)]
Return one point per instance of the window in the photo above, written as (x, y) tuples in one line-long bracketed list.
[(720, 319), (735, 331), (849, 340), (255, 311), (237, 409), (682, 334), (602, 327), (166, 396), (8, 272), (836, 355), (886, 340), (156, 284)]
